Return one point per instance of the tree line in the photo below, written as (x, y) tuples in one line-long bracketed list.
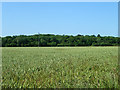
[(59, 40)]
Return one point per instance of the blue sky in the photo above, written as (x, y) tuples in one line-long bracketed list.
[(71, 18)]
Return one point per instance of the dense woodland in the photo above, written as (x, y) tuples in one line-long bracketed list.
[(58, 40)]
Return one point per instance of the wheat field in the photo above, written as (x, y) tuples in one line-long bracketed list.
[(60, 67)]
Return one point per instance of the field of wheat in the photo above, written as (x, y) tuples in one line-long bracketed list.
[(60, 67)]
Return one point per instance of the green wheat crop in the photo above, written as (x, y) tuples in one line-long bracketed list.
[(60, 67)]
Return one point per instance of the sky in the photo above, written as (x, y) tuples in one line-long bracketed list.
[(68, 18)]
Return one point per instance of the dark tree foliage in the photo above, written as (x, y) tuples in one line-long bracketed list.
[(59, 40)]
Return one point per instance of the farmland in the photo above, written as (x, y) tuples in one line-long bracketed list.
[(60, 67)]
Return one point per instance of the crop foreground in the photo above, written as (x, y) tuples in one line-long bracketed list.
[(60, 67)]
